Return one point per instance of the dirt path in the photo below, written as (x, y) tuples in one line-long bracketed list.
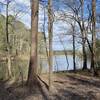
[(74, 87), (64, 87)]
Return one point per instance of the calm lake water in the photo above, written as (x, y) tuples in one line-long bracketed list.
[(60, 63)]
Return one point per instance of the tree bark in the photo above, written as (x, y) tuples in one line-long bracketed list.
[(84, 54), (8, 44), (50, 31), (32, 73), (83, 37), (74, 56), (93, 57)]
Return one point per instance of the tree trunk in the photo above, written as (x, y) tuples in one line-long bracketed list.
[(93, 57), (50, 31), (74, 63), (65, 53), (9, 66), (8, 44), (83, 37), (32, 74), (84, 55)]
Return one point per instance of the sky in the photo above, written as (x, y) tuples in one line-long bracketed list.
[(22, 6), (25, 17)]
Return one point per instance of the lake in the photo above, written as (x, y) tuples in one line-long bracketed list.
[(61, 64)]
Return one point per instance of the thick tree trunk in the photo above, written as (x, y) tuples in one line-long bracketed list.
[(93, 56), (32, 74), (83, 37), (50, 31), (84, 56), (84, 50)]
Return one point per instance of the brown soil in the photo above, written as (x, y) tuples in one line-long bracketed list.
[(19, 92), (74, 87), (68, 86)]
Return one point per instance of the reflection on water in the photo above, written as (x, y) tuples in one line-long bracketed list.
[(60, 63)]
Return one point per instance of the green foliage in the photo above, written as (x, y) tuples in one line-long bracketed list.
[(19, 35), (2, 33), (19, 40)]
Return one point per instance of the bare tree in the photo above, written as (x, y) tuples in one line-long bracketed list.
[(7, 38), (50, 31), (93, 58), (8, 42), (77, 14), (83, 36), (32, 73), (74, 56)]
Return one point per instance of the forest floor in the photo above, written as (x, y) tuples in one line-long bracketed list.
[(73, 86), (65, 86), (18, 92)]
